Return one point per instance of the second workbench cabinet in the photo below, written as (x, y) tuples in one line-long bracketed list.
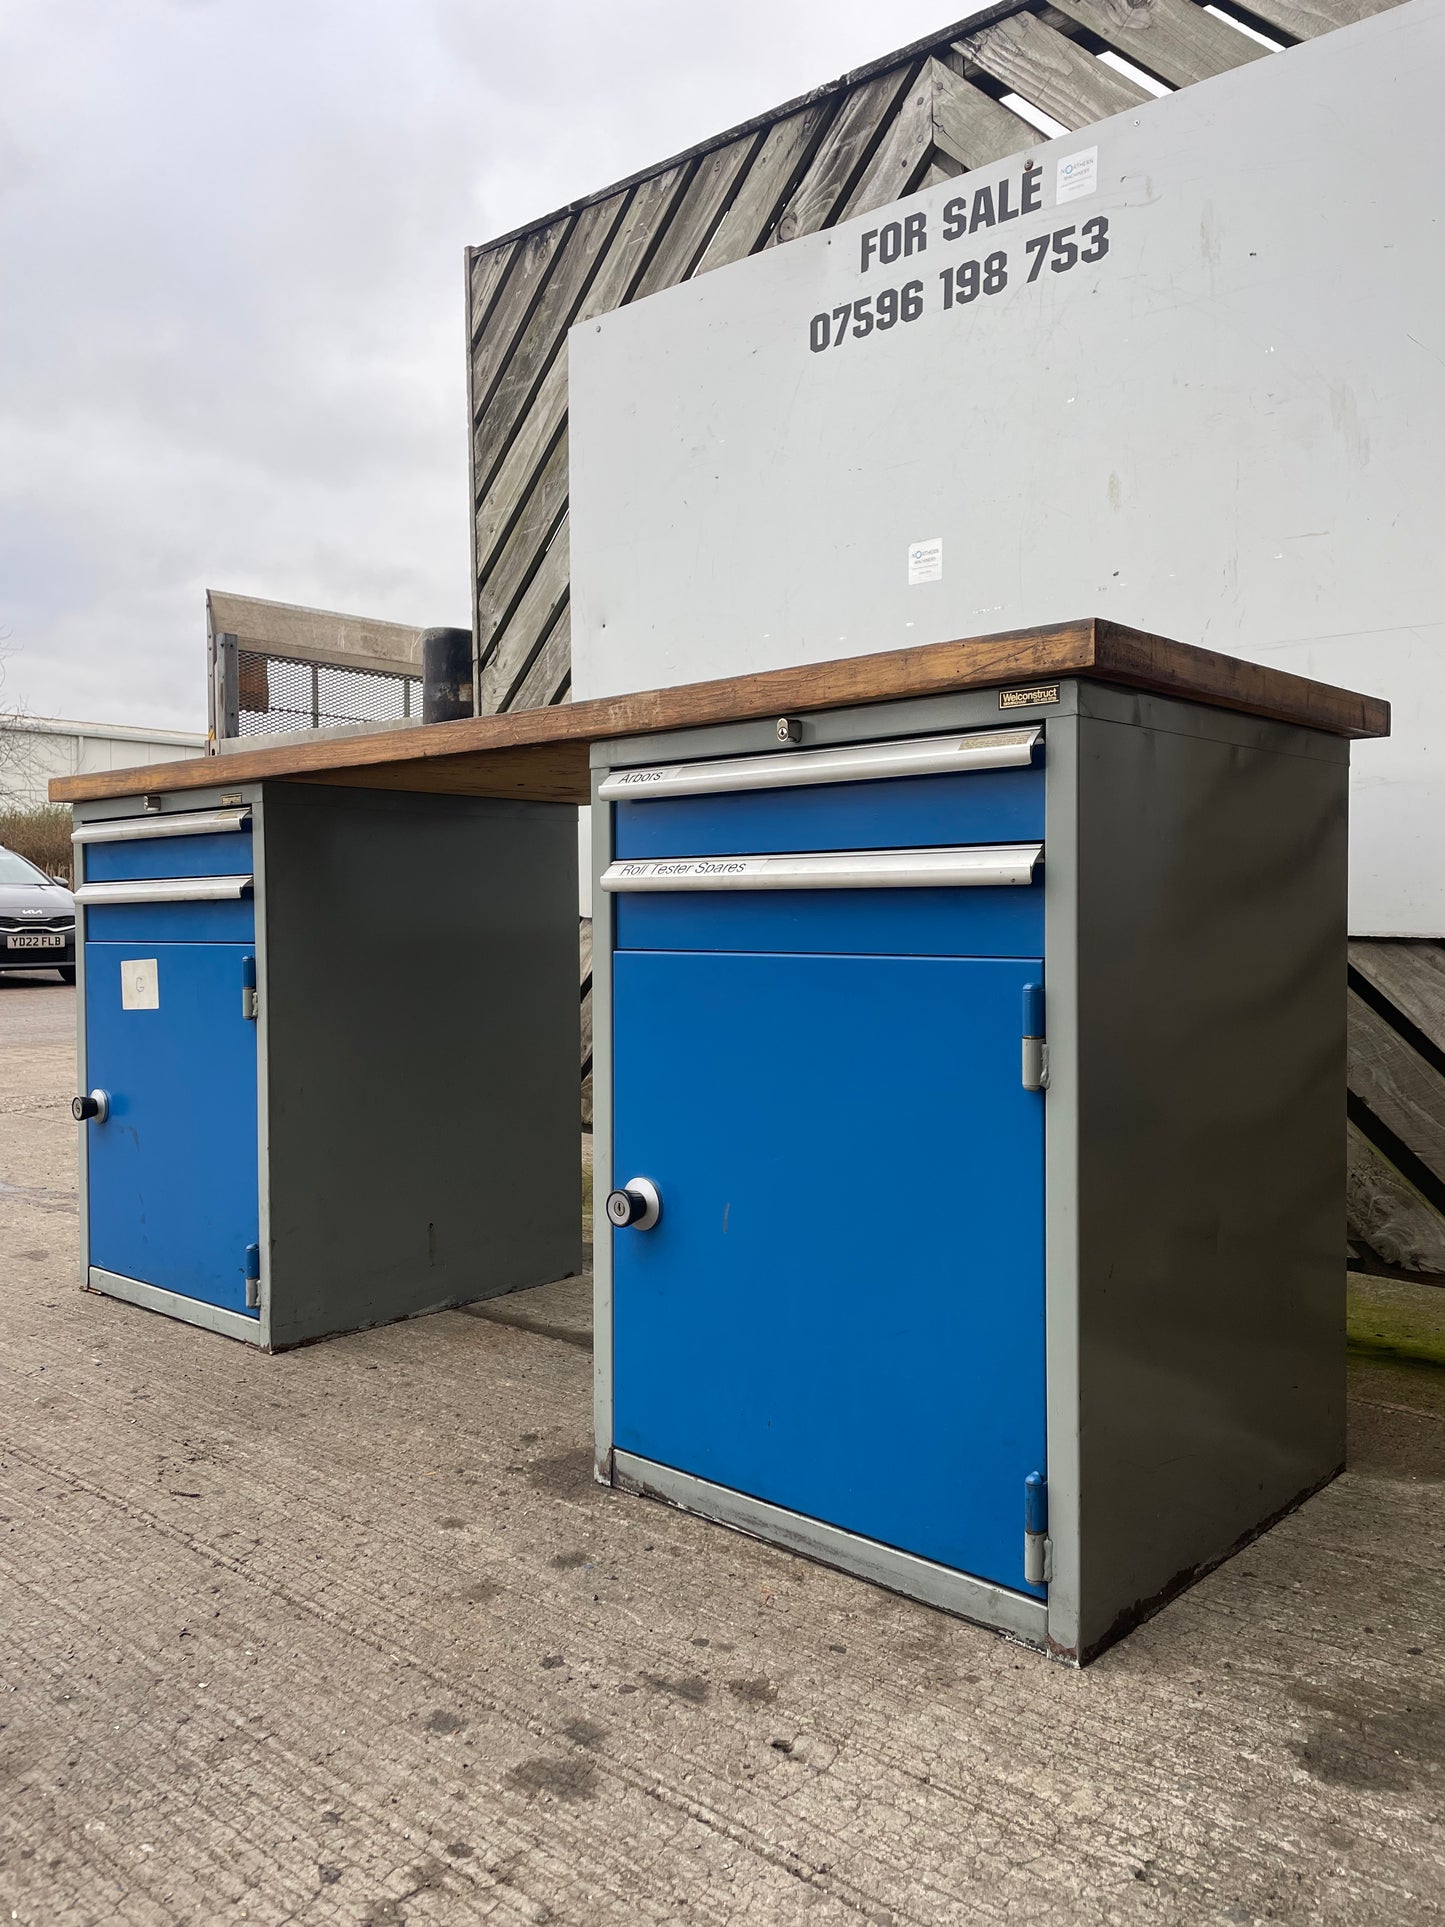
[(328, 1053)]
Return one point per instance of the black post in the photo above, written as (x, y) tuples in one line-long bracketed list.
[(446, 675)]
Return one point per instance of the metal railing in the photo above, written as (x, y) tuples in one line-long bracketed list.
[(261, 694)]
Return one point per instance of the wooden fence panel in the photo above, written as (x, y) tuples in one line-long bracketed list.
[(540, 607), (942, 167), (859, 144), (708, 193), (904, 123), (1050, 70), (860, 124), (1388, 1218), (587, 1002), (511, 566), (1404, 1092), (584, 960), (972, 128), (535, 441), (1397, 1106), (772, 178), (536, 348), (486, 270), (548, 676), (1174, 39), (492, 340), (1304, 19), (524, 500), (592, 276), (901, 158), (1411, 976)]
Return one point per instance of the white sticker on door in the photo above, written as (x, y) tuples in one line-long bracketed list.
[(925, 561), (140, 984), (1078, 174)]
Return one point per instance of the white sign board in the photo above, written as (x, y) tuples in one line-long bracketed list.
[(1186, 371)]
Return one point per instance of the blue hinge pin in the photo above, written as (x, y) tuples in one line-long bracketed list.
[(1035, 1044), (1038, 1553)]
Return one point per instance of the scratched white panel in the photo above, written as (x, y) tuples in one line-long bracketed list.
[(1227, 428)]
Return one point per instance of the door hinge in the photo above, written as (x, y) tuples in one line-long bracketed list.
[(1038, 1547), (1036, 1047), (253, 1277), (250, 996)]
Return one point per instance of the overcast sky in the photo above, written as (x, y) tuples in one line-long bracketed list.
[(231, 329)]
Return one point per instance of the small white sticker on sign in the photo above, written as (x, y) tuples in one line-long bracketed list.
[(140, 984), (1078, 174), (925, 561)]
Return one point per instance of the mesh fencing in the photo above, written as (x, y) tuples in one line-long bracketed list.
[(280, 693)]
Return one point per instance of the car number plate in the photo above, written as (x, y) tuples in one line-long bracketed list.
[(35, 940)]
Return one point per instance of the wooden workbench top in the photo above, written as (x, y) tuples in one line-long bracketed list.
[(543, 753)]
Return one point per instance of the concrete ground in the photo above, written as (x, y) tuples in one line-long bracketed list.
[(349, 1635)]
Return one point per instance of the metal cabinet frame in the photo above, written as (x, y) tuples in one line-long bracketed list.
[(1066, 1624)]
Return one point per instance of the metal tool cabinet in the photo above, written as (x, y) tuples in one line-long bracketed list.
[(970, 1078), (328, 1053)]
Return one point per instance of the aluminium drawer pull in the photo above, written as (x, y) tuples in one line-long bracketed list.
[(131, 829), (980, 865), (166, 890), (859, 763)]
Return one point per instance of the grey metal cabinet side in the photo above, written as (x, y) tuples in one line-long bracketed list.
[(421, 980), (1210, 1038)]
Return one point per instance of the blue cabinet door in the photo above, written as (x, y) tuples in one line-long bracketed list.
[(174, 1195), (841, 1310)]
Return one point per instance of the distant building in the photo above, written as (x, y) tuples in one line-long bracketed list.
[(33, 749)]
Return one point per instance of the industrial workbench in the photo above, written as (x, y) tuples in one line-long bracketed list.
[(969, 1039)]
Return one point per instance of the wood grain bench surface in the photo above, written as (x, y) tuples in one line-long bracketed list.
[(543, 753)]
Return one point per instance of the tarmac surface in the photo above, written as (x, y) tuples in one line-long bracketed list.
[(349, 1635)]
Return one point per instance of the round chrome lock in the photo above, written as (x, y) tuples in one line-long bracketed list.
[(96, 1105), (636, 1204)]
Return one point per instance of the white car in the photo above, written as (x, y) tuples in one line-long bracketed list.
[(37, 919)]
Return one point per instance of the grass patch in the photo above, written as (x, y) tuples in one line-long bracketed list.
[(41, 834), (1396, 1322)]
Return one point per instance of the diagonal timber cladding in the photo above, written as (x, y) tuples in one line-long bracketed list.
[(980, 92), (1397, 1108)]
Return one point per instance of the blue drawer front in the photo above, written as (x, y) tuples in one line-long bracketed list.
[(841, 1310), (899, 813), (228, 922), (996, 922), (174, 1169), (226, 854)]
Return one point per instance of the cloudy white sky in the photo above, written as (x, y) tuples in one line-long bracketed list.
[(231, 238)]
